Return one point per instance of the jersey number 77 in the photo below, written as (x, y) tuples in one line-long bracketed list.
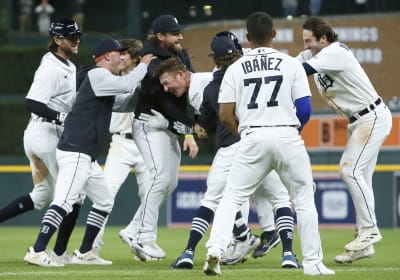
[(258, 82)]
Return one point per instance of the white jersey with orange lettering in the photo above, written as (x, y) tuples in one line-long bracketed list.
[(256, 89)]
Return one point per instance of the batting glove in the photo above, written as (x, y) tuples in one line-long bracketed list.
[(182, 128), (157, 120)]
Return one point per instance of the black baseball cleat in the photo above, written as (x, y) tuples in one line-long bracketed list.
[(266, 246)]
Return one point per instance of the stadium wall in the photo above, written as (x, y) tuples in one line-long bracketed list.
[(16, 180)]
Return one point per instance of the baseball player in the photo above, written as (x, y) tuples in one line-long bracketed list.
[(344, 85), (160, 148), (225, 52), (84, 135), (123, 153), (49, 99), (265, 98), (269, 237)]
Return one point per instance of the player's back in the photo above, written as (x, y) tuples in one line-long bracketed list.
[(264, 84)]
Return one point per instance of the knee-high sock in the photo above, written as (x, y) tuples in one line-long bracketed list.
[(285, 225), (94, 223), (240, 228), (65, 230), (17, 207), (50, 223), (200, 224)]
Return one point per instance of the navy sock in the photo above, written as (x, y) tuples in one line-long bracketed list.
[(94, 223), (200, 223), (50, 223), (285, 225), (65, 230), (17, 207), (240, 228)]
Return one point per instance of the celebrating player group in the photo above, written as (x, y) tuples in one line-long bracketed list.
[(256, 100)]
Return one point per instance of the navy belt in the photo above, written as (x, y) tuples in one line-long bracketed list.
[(279, 125), (365, 111), (125, 135)]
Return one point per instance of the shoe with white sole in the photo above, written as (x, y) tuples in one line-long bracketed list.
[(148, 259), (318, 269), (212, 266), (351, 256), (42, 258), (289, 261), (148, 249), (88, 258), (127, 239), (365, 237), (65, 258), (184, 261), (238, 250)]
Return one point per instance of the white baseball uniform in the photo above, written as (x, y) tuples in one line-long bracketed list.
[(123, 154), (198, 81), (161, 152), (54, 84), (345, 86), (264, 85), (271, 190)]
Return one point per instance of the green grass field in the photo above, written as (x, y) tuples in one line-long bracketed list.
[(15, 240)]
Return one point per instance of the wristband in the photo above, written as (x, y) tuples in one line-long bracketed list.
[(189, 136)]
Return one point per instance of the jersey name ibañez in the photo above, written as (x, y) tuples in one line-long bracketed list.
[(264, 84), (261, 63)]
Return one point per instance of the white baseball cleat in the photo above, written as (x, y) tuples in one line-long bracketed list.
[(88, 258), (318, 269), (365, 237), (65, 258), (212, 266), (351, 256), (146, 250), (127, 239), (141, 255), (238, 250), (40, 258)]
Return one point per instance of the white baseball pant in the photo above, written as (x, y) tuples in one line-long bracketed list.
[(259, 152), (161, 153), (78, 173), (365, 138)]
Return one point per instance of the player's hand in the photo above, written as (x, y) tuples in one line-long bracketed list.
[(156, 120), (182, 128), (200, 132), (305, 55), (190, 143), (148, 58)]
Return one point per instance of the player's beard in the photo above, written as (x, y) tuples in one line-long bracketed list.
[(69, 51), (176, 48)]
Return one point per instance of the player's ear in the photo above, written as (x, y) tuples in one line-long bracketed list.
[(273, 33), (323, 38), (179, 74), (248, 37)]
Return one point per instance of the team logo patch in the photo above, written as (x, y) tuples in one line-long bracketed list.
[(325, 81)]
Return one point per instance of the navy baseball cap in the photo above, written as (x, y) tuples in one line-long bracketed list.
[(221, 46), (166, 23), (107, 45)]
